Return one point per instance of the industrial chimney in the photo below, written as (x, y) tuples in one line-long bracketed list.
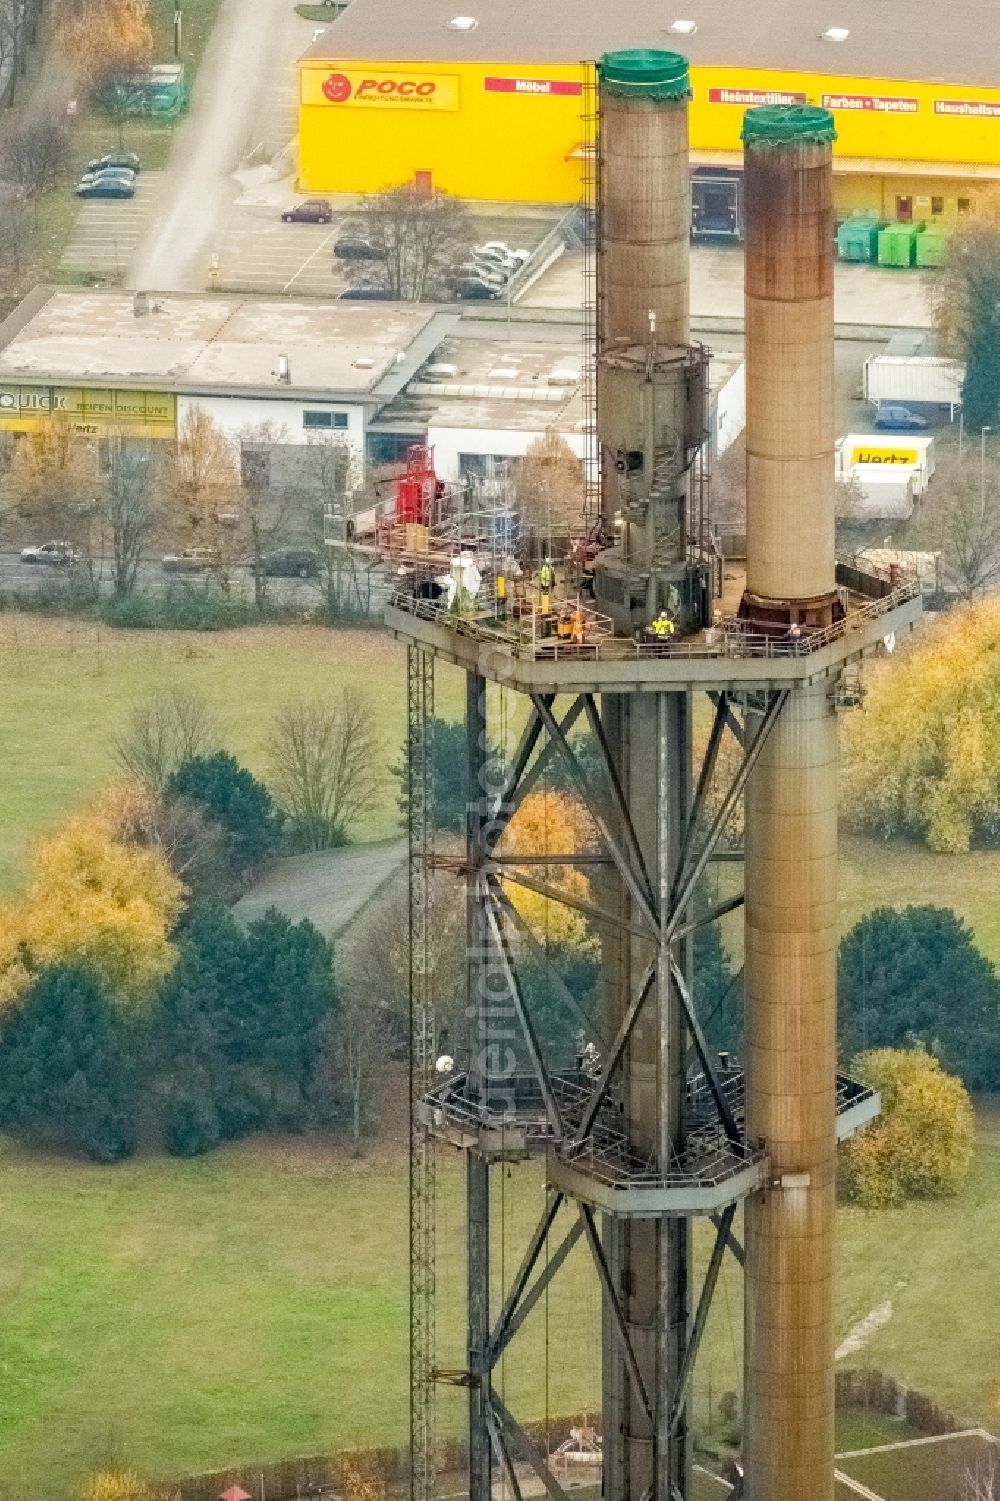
[(791, 812), (651, 385)]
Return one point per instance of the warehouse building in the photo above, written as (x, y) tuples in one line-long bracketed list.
[(497, 104), (112, 364)]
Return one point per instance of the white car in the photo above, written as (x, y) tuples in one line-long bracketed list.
[(56, 554)]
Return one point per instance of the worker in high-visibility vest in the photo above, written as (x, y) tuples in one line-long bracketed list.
[(576, 627), (546, 576), (662, 627), (501, 596)]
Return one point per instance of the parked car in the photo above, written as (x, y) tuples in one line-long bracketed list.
[(125, 174), (366, 294), (900, 419), (106, 187), (493, 277), (55, 554), (290, 563), (311, 211), (114, 159), (191, 560), (472, 289), (355, 248)]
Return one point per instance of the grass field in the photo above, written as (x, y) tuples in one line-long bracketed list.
[(252, 1305), (67, 688)]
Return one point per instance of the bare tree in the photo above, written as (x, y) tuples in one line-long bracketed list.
[(419, 237), (162, 733), (35, 158), (362, 1046), (263, 510), (107, 42), (332, 475), (126, 512), (982, 1483), (324, 761), (962, 521)]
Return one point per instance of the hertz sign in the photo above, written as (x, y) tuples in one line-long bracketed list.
[(349, 88)]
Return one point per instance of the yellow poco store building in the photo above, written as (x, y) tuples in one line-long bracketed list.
[(494, 104)]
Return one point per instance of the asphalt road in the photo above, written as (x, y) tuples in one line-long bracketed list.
[(329, 889), (24, 577), (243, 110)]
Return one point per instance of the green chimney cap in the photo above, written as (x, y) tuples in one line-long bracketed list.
[(787, 125), (642, 73)]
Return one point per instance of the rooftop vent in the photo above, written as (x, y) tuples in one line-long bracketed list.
[(836, 34), (684, 28), (364, 363), (463, 23), (503, 372), (564, 376), (283, 371), (441, 371)]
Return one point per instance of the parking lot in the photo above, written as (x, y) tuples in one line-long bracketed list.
[(107, 230), (259, 253)]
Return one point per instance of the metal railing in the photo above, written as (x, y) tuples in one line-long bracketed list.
[(731, 637)]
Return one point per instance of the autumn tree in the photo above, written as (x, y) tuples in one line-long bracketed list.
[(201, 481), (107, 42), (551, 823), (921, 1145), (52, 481), (966, 298), (95, 899), (325, 766), (418, 237), (915, 976), (548, 487), (331, 476), (924, 757), (162, 733)]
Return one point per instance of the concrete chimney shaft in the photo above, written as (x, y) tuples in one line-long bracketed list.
[(791, 816), (789, 354)]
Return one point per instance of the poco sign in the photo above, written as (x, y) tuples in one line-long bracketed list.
[(348, 88)]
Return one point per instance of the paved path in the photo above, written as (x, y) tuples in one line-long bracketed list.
[(328, 888), (243, 109)]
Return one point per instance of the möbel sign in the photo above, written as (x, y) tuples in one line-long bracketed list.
[(347, 88)]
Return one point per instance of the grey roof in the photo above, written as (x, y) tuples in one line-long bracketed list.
[(202, 343), (933, 40)]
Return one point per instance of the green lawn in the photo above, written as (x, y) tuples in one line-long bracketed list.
[(252, 1305), (67, 688)]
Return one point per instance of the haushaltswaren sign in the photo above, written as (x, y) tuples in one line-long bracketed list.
[(543, 86), (89, 413), (977, 109), (886, 104), (349, 88)]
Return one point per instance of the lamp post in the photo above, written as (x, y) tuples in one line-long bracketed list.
[(982, 472)]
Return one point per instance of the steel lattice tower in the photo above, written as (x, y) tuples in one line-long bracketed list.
[(662, 1132)]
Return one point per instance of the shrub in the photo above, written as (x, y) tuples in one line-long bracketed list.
[(921, 1146)]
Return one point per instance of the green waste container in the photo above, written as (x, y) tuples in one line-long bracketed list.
[(857, 238), (897, 245), (931, 245)]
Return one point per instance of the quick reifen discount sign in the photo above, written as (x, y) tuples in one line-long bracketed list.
[(350, 88)]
